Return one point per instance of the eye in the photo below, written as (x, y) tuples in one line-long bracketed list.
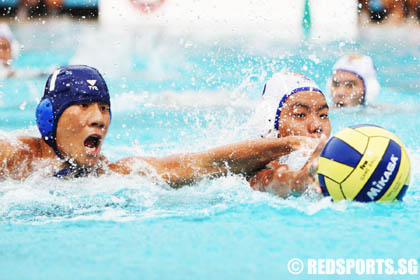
[(349, 85), (324, 116), (299, 115), (335, 83), (105, 108), (84, 105)]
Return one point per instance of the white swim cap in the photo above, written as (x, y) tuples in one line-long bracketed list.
[(6, 33), (362, 66), (275, 93)]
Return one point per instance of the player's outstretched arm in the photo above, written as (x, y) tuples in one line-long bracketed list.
[(245, 158)]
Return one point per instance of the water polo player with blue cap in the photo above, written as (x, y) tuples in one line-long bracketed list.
[(73, 117), (291, 105), (353, 81), (81, 95)]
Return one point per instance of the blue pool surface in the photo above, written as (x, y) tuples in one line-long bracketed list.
[(172, 95)]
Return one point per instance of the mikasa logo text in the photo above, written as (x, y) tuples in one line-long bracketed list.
[(378, 186)]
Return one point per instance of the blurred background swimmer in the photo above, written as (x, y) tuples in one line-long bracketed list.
[(9, 50), (353, 81), (389, 11), (38, 8), (291, 105), (9, 53)]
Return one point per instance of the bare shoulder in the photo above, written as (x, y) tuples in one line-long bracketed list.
[(32, 144), (12, 144), (21, 144), (17, 154)]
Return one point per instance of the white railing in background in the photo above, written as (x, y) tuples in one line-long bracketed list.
[(333, 19), (272, 19)]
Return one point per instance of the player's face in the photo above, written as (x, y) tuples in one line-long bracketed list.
[(5, 51), (347, 89), (305, 113), (81, 131)]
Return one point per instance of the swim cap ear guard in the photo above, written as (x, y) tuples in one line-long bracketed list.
[(45, 119), (68, 86), (372, 90)]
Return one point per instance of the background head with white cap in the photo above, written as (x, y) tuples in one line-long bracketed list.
[(353, 81), (9, 47), (292, 105)]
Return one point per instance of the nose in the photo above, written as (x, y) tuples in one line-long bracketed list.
[(339, 91), (339, 97), (96, 116), (315, 126)]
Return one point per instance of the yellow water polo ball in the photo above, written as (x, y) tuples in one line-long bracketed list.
[(364, 163)]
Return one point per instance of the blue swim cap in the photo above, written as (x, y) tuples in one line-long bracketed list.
[(68, 86)]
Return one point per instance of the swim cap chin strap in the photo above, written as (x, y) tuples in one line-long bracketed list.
[(74, 171)]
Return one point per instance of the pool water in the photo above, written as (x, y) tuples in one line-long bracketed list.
[(177, 94)]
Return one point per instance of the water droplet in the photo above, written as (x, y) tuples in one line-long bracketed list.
[(22, 106)]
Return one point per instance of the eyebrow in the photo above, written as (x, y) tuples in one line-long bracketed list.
[(345, 81), (307, 107), (301, 105), (325, 106), (350, 82)]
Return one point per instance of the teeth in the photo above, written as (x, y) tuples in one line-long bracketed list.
[(92, 141)]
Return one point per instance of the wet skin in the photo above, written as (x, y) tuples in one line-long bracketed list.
[(5, 51), (81, 131), (82, 128), (305, 113), (347, 89)]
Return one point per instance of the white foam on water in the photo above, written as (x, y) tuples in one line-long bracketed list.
[(404, 34), (41, 199), (175, 100), (12, 136)]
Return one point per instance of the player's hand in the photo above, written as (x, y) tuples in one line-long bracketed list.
[(281, 180)]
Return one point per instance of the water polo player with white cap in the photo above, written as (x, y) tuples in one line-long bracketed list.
[(73, 117), (291, 105), (353, 81), (9, 50)]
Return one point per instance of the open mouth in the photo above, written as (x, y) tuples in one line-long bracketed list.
[(92, 144)]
